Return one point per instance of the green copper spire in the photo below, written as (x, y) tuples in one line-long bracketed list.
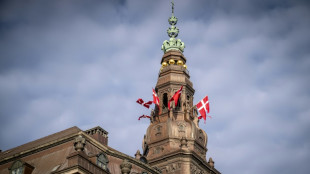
[(173, 31)]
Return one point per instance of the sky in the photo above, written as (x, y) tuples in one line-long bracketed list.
[(85, 63)]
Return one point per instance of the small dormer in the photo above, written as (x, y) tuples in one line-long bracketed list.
[(102, 161), (20, 167)]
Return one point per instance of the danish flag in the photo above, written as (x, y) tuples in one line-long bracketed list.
[(155, 98), (144, 116), (175, 97), (147, 104), (203, 108)]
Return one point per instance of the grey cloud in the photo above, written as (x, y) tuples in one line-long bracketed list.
[(68, 63)]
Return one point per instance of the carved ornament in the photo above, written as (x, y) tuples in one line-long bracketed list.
[(79, 143), (173, 167), (196, 170)]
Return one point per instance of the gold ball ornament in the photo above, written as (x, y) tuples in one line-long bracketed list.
[(164, 64), (180, 62), (185, 66), (171, 62)]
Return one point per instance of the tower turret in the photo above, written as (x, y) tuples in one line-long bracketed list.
[(174, 142)]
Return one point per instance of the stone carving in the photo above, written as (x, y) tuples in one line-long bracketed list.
[(138, 154), (199, 149), (158, 130), (125, 167), (79, 143), (200, 137), (196, 170), (173, 167), (181, 127), (183, 143), (211, 162), (158, 150)]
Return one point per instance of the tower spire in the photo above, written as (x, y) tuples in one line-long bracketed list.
[(174, 142), (172, 3), (173, 31)]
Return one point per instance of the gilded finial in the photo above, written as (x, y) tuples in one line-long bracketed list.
[(173, 32)]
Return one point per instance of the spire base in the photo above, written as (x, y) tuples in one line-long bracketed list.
[(173, 44)]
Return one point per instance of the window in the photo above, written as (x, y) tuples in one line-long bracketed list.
[(179, 104), (102, 161), (17, 168), (165, 101)]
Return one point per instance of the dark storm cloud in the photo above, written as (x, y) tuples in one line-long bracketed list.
[(66, 63)]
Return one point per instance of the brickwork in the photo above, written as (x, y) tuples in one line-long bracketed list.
[(173, 140)]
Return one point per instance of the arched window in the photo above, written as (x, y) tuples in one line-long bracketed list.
[(179, 104), (165, 100), (102, 161), (17, 168)]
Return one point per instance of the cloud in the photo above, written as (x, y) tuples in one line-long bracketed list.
[(80, 63)]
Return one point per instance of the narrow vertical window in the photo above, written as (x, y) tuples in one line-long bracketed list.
[(165, 100), (179, 104)]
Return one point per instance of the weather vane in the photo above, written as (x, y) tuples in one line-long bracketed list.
[(172, 2)]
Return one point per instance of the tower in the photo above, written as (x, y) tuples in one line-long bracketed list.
[(174, 142)]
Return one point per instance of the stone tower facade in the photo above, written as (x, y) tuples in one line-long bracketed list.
[(174, 142)]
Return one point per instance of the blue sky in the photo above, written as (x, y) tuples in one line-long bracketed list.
[(84, 63)]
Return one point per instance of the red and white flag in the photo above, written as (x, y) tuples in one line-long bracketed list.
[(140, 101), (144, 116), (203, 108), (175, 97), (155, 98), (147, 104)]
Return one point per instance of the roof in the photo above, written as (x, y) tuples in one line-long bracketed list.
[(50, 153), (39, 142)]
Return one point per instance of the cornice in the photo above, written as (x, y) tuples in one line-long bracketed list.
[(176, 154), (118, 154), (75, 167), (69, 138), (176, 84)]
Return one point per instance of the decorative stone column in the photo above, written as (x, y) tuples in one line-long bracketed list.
[(125, 167)]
